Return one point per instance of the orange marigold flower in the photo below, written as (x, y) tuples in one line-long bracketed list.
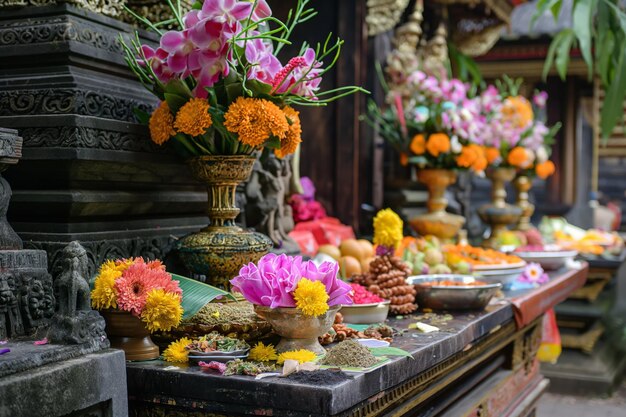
[(255, 120), (492, 154), (545, 169), (438, 143), (161, 123), (518, 111), (293, 137), (517, 157), (193, 118), (404, 159), (418, 144), (473, 157)]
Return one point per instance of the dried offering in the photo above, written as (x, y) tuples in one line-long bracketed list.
[(239, 367), (360, 295), (216, 342), (349, 353)]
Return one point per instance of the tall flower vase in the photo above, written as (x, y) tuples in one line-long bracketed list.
[(499, 214), (219, 250), (129, 333), (437, 221), (523, 184)]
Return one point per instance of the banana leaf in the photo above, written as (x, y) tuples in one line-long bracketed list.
[(197, 294), (390, 351)]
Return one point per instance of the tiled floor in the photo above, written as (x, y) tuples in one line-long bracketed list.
[(552, 405)]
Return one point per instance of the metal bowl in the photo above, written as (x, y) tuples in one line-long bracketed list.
[(504, 276), (550, 260), (464, 297)]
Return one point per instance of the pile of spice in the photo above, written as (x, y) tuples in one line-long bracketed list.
[(216, 342), (349, 353), (360, 295), (340, 332)]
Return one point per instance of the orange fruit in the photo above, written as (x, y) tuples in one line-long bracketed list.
[(368, 248), (330, 250), (365, 264), (348, 266), (351, 247)]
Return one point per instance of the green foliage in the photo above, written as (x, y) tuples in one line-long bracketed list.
[(390, 351), (599, 31), (197, 294), (466, 68)]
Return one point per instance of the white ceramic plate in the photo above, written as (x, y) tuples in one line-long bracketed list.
[(548, 259), (499, 267)]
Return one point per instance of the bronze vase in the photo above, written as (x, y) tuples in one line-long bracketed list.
[(222, 248), (437, 221), (523, 184), (499, 214), (129, 333)]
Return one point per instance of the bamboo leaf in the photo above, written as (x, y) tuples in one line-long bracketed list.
[(582, 19), (613, 106), (562, 52), (390, 351), (197, 294)]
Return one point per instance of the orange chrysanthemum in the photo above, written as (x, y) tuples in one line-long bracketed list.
[(404, 159), (193, 118), (293, 137), (492, 154), (255, 120), (545, 169), (438, 143), (473, 157), (518, 111), (161, 124), (517, 157), (418, 144)]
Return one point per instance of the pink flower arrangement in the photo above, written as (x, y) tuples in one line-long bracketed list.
[(273, 280)]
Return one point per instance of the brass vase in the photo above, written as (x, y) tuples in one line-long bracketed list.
[(523, 184), (499, 214), (129, 333), (296, 329), (221, 249), (437, 221)]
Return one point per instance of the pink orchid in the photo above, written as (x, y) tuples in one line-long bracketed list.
[(300, 76), (156, 60), (534, 274), (540, 99), (264, 65), (226, 11), (262, 10), (180, 49)]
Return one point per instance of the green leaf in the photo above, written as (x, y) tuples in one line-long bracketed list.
[(562, 52), (390, 351), (605, 48), (258, 87), (175, 102), (178, 87), (142, 116), (542, 7), (613, 106), (552, 51), (197, 294), (582, 21), (273, 143), (555, 8)]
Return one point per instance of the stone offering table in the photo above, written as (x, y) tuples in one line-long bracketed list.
[(479, 363)]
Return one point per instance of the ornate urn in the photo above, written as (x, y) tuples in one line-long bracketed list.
[(498, 214), (523, 184)]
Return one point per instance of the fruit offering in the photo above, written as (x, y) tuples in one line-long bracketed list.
[(387, 279), (352, 255), (360, 295), (478, 256)]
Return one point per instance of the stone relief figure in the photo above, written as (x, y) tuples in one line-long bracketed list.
[(36, 298), (74, 320), (10, 319)]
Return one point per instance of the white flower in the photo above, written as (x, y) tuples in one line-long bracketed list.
[(542, 155), (455, 145), (530, 158)]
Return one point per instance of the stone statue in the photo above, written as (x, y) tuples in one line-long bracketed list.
[(10, 319), (74, 320)]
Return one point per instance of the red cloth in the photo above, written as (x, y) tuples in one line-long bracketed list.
[(306, 241), (327, 231)]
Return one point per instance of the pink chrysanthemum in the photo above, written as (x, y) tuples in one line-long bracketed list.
[(138, 280)]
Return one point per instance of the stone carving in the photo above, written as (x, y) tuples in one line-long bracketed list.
[(69, 101), (74, 321), (107, 7), (10, 152), (383, 15), (403, 59), (266, 195), (153, 10)]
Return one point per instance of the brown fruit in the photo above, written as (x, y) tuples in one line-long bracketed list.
[(351, 247), (348, 266), (368, 248), (330, 250)]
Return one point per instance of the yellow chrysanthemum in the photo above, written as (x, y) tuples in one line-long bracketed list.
[(162, 310), (311, 297), (293, 136), (387, 229), (301, 356), (161, 124), (193, 118), (176, 352), (262, 353), (255, 120), (103, 295)]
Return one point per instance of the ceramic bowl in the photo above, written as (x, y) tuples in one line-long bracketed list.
[(462, 297), (549, 260), (504, 276), (365, 313)]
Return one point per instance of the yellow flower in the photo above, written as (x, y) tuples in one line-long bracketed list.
[(193, 118), (255, 120), (311, 297), (162, 310), (262, 353), (301, 356), (176, 352), (293, 136), (161, 124), (103, 295), (387, 229)]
